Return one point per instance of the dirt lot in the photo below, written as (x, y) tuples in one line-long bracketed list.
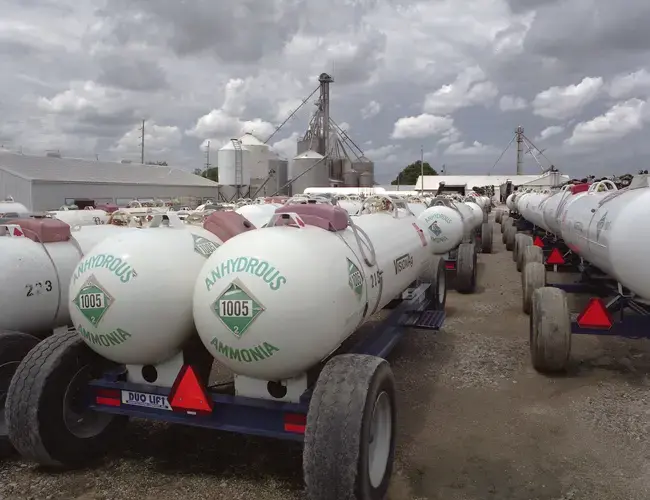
[(476, 423)]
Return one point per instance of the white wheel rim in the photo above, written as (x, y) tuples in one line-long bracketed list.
[(381, 429), (442, 285)]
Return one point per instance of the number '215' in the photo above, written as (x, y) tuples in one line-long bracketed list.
[(38, 288)]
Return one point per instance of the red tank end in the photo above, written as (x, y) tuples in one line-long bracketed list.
[(579, 188)]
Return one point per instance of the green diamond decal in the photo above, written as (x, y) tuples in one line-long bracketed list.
[(93, 301), (237, 309), (204, 246), (355, 280)]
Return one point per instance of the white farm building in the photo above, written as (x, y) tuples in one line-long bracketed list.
[(46, 183)]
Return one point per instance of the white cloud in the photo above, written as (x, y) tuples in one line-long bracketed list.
[(158, 139), (549, 132), (512, 103), (218, 124), (560, 103), (475, 149), (372, 109), (382, 153), (470, 88), (286, 148), (619, 121), (419, 127), (629, 84)]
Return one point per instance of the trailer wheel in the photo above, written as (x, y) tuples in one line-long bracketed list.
[(351, 427), (47, 416), (14, 346), (466, 268), (487, 233), (533, 277), (510, 234), (497, 216), (532, 254), (516, 246), (550, 330), (439, 286), (525, 242), (505, 223), (485, 216)]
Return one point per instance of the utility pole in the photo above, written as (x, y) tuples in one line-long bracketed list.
[(207, 156), (142, 144), (519, 132)]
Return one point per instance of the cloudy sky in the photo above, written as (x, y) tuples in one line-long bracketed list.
[(453, 77)]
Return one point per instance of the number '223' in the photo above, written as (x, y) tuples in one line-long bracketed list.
[(38, 288)]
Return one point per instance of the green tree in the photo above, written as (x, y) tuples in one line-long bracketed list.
[(212, 173), (159, 163), (409, 176)]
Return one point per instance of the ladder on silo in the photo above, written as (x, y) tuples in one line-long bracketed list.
[(239, 163)]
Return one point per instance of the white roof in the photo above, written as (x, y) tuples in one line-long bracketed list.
[(249, 139), (548, 180), (231, 146), (42, 168), (431, 182), (309, 154)]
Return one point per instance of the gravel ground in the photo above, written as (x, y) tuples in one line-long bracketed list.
[(476, 423)]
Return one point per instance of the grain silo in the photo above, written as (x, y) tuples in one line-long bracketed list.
[(314, 177), (366, 179), (351, 178), (257, 165)]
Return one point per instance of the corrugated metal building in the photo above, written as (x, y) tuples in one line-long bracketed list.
[(431, 182), (44, 183)]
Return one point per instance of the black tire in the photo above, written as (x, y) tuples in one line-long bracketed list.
[(515, 248), (550, 330), (497, 216), (511, 232), (439, 286), (533, 277), (487, 233), (14, 346), (36, 400), (485, 216), (337, 437), (466, 268), (532, 254), (525, 242), (505, 222)]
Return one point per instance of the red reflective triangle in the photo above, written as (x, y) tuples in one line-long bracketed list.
[(555, 257), (595, 315), (188, 394), (18, 232), (538, 242)]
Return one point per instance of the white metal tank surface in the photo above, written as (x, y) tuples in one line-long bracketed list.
[(314, 177), (270, 304), (531, 208), (81, 217), (259, 157), (131, 296), (475, 214), (227, 161), (616, 236), (39, 257), (445, 226), (577, 214), (352, 207), (551, 209), (510, 201), (258, 214), (9, 206)]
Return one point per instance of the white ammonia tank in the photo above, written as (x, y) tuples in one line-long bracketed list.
[(9, 206), (551, 209), (474, 215), (510, 201), (445, 225), (270, 304), (417, 208), (131, 296), (611, 229), (531, 208), (38, 259), (350, 206), (80, 217), (258, 214)]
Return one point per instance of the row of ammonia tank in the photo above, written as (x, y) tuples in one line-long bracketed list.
[(606, 226)]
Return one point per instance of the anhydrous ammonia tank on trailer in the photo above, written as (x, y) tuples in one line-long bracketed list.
[(38, 259), (610, 229), (471, 212), (510, 201), (10, 207), (80, 217), (531, 208), (117, 303), (552, 207), (446, 226), (272, 303)]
